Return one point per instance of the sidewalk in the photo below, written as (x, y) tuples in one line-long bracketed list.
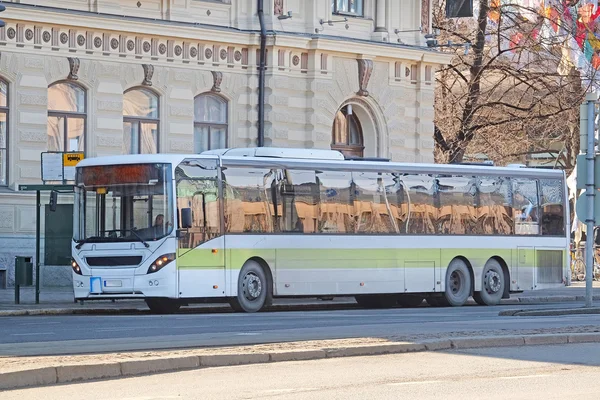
[(61, 301)]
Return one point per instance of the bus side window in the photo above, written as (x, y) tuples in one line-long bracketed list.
[(525, 206), (299, 201), (552, 207)]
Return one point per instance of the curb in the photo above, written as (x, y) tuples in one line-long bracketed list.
[(190, 310), (548, 313), (81, 373), (273, 308)]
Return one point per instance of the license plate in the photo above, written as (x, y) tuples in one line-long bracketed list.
[(113, 283)]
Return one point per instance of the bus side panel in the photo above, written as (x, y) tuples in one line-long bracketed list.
[(339, 265), (202, 270), (241, 248)]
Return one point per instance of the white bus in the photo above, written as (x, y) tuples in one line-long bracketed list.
[(246, 225)]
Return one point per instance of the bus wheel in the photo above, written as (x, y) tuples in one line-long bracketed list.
[(478, 299), (252, 288), (458, 283), (408, 300), (492, 285), (163, 306)]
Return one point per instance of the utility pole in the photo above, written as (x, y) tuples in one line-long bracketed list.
[(586, 165)]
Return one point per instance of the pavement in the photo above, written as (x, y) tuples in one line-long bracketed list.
[(57, 301)]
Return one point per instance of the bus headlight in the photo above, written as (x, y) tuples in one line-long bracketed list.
[(75, 267), (160, 262)]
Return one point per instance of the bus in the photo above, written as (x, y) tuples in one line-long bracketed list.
[(245, 226)]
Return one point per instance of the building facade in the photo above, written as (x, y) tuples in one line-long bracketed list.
[(180, 76)]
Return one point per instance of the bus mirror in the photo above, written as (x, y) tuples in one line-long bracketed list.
[(186, 218)]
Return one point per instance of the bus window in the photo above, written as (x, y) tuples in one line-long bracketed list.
[(197, 189), (552, 207), (457, 214), (378, 204), (423, 212), (299, 200), (494, 213), (525, 206), (248, 200), (336, 214)]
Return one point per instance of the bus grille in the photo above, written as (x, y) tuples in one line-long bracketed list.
[(549, 266), (113, 261)]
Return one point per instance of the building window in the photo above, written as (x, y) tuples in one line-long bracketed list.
[(352, 7), (347, 136), (210, 122), (140, 122), (3, 133), (66, 117)]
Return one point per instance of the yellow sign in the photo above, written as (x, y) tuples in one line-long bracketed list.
[(71, 159)]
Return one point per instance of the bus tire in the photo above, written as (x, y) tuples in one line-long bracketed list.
[(409, 300), (253, 288), (458, 283), (492, 284), (163, 306), (478, 299)]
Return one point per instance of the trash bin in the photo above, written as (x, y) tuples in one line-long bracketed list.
[(23, 271)]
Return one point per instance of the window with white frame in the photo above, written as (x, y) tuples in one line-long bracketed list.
[(140, 121), (350, 7), (3, 132), (210, 122), (66, 117)]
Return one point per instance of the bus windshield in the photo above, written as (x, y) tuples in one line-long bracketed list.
[(116, 203)]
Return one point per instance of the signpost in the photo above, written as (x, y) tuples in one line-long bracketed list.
[(57, 167), (590, 180)]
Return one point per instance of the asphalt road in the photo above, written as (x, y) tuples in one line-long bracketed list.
[(536, 372), (49, 335)]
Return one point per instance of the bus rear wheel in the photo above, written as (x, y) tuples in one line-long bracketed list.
[(492, 285), (253, 289), (458, 283), (163, 306)]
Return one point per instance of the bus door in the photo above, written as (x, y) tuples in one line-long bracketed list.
[(201, 249)]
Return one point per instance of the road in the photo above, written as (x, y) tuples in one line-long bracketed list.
[(49, 335), (535, 372)]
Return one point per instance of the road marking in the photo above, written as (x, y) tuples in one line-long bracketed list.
[(248, 334), (413, 383), (523, 376), (39, 323), (32, 334), (116, 329)]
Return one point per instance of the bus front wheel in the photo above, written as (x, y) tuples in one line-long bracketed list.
[(163, 306), (253, 289)]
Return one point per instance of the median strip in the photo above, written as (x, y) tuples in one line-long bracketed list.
[(148, 363)]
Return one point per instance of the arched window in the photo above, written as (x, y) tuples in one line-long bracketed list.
[(347, 135), (210, 122), (140, 122), (3, 132), (66, 117)]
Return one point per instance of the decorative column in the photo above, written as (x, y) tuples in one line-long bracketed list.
[(381, 29), (380, 16)]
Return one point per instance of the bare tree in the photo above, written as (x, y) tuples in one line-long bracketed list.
[(516, 93)]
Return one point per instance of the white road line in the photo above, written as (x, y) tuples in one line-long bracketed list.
[(524, 376), (32, 334), (413, 383)]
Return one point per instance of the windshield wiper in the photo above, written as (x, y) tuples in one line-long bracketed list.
[(139, 237), (81, 242)]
